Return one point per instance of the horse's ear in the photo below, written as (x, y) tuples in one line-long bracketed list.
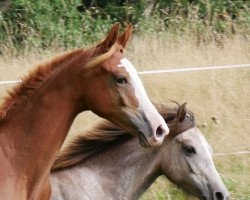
[(111, 38), (125, 37), (181, 113)]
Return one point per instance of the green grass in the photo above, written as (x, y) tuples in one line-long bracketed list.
[(29, 24)]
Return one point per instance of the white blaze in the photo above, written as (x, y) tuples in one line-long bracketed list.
[(144, 103), (135, 81)]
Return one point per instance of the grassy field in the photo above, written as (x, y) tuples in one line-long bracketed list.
[(220, 94)]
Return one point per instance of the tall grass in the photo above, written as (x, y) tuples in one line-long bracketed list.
[(42, 24), (59, 23)]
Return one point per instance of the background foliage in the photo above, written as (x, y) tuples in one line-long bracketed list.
[(31, 23)]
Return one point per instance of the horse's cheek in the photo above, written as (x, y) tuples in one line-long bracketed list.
[(128, 98)]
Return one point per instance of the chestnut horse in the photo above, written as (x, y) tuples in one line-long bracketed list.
[(105, 163), (36, 116)]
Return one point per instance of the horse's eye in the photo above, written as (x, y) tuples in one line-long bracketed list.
[(121, 79), (189, 150)]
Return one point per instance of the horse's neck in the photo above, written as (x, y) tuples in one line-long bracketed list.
[(123, 172), (34, 133), (130, 168)]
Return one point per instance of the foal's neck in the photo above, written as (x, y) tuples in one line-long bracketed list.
[(129, 169)]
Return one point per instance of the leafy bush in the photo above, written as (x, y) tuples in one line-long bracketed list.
[(44, 23), (31, 23)]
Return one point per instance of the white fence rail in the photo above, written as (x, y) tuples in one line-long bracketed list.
[(191, 69), (161, 71), (9, 82), (232, 153)]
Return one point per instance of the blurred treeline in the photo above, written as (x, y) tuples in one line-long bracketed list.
[(27, 24)]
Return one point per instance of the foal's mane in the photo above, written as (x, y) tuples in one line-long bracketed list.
[(106, 135), (42, 72)]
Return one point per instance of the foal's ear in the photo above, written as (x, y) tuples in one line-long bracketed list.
[(181, 113), (111, 38), (125, 37)]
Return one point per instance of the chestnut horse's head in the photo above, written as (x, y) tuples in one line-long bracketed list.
[(116, 93)]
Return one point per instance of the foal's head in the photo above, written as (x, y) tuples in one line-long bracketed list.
[(116, 93), (187, 159)]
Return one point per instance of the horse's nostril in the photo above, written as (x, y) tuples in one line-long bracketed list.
[(204, 198), (219, 196), (159, 131)]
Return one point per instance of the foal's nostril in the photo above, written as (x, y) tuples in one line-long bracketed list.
[(159, 131), (219, 196)]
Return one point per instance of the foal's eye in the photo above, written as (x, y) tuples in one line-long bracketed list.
[(189, 150), (121, 79)]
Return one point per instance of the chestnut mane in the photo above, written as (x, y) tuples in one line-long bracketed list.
[(36, 78), (105, 135)]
